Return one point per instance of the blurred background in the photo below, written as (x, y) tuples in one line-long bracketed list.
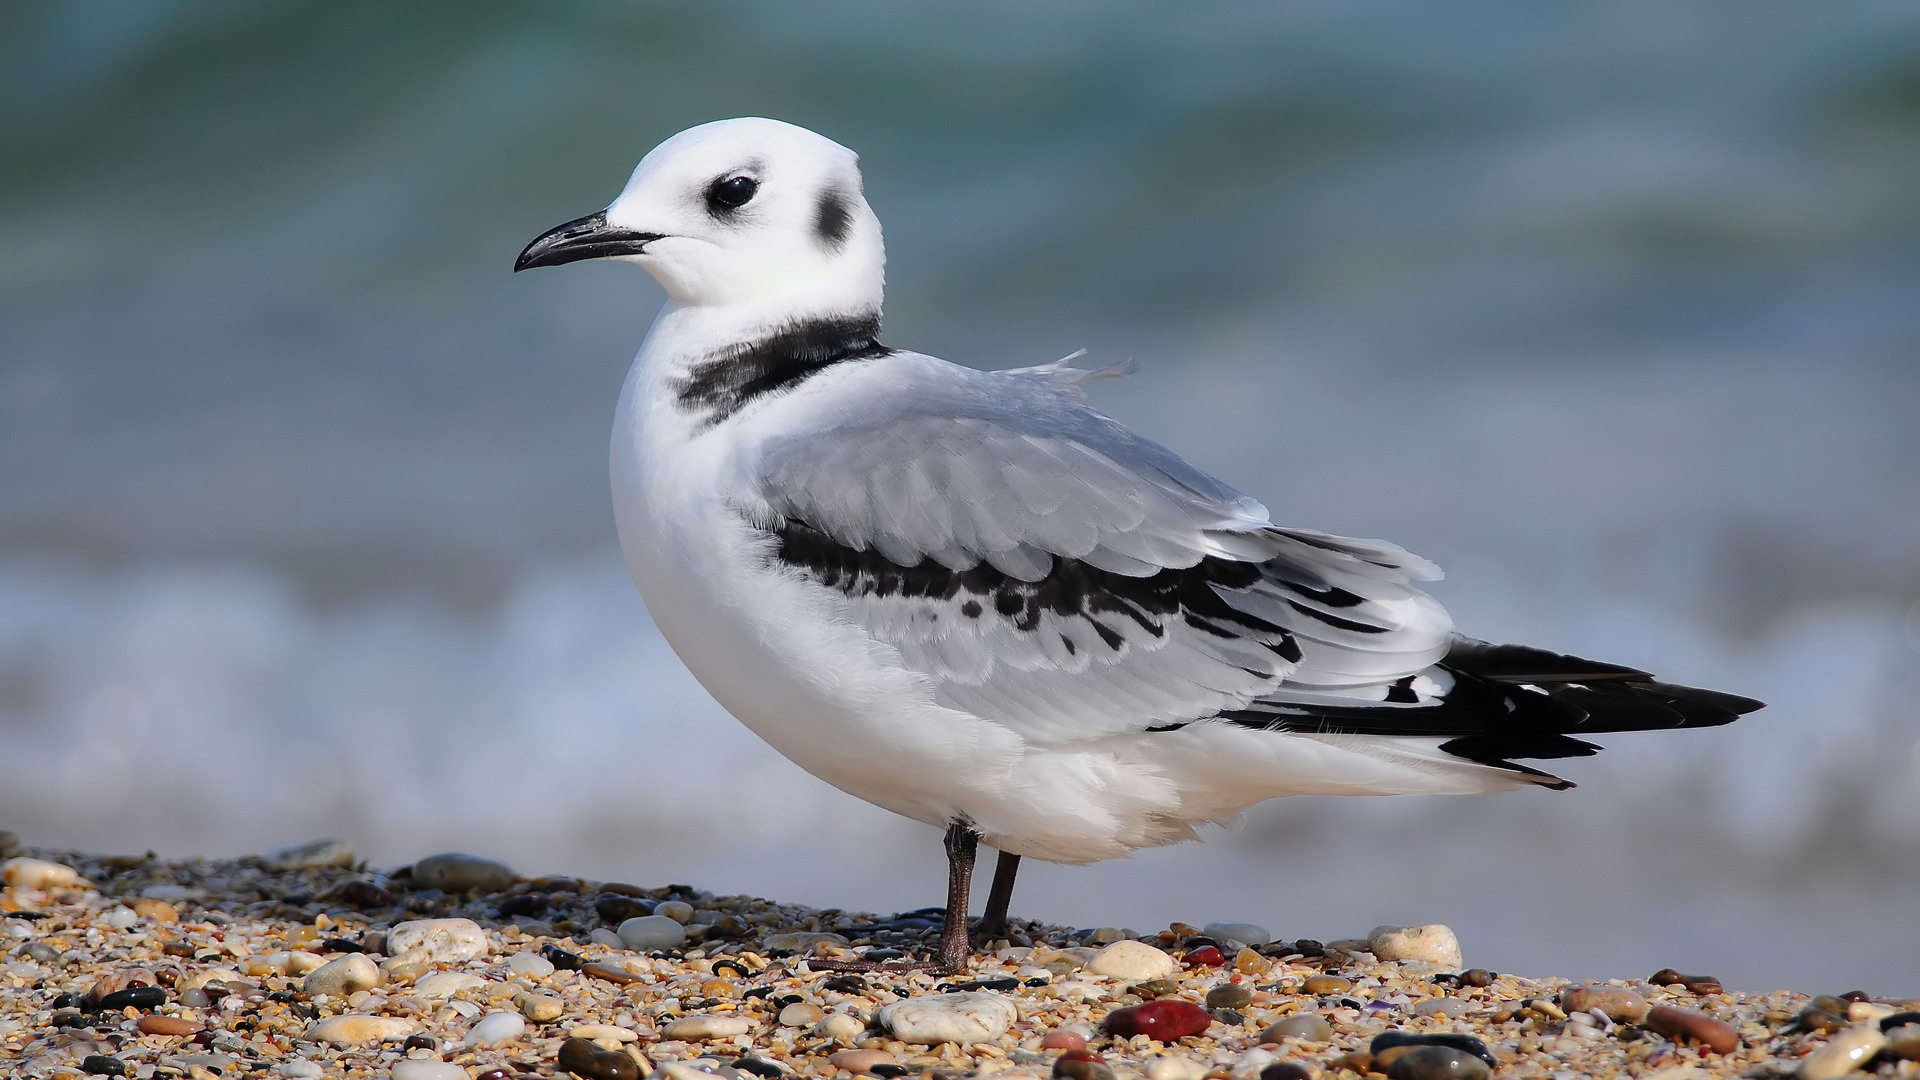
[(1610, 309)]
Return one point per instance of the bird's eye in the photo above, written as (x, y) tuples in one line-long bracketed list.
[(731, 193)]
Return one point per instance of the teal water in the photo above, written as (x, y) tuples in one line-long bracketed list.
[(1608, 309)]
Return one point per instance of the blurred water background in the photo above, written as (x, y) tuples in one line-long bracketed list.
[(1613, 310)]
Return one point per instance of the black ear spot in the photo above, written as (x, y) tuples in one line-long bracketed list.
[(833, 220)]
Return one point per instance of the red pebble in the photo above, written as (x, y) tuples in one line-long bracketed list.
[(1164, 1020), (1064, 1040), (1205, 956)]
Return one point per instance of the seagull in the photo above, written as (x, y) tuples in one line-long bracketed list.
[(970, 598)]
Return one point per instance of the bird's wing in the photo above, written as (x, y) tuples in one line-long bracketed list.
[(1047, 568)]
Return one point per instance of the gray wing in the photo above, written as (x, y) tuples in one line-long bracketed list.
[(1045, 567)]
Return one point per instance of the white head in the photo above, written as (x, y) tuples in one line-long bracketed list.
[(750, 214)]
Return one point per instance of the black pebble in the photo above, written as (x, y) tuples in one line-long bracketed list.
[(1309, 947), (340, 944), (1037, 981), (1387, 1040), (788, 999), (615, 909), (138, 997), (529, 904), (562, 959), (1899, 1019), (759, 1067), (981, 984), (421, 1042), (735, 965), (1229, 1017), (582, 1058), (1286, 1070), (757, 992), (889, 1071), (102, 1065), (64, 1001), (844, 984)]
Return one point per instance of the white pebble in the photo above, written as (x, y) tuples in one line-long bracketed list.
[(530, 963), (496, 1028), (1842, 1053), (444, 984), (703, 1027), (300, 1068), (1248, 1065), (343, 976), (1134, 961), (447, 941), (1432, 944), (1175, 1067), (426, 1069), (600, 935), (678, 910), (121, 918), (962, 1018), (1242, 932), (840, 1027), (646, 933)]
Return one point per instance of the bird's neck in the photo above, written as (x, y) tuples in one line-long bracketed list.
[(710, 361)]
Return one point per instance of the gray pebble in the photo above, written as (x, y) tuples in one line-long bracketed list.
[(1438, 1063), (1309, 1027)]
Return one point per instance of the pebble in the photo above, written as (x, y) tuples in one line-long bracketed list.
[(1326, 984), (541, 1008), (1243, 932), (1432, 944), (1175, 1067), (25, 873), (1392, 1040), (1165, 1020), (342, 976), (1678, 1023), (707, 1026), (157, 910), (1107, 935), (447, 941), (1132, 960), (456, 872), (650, 933), (603, 1033), (678, 910), (1842, 1053), (801, 1014), (860, 1062), (444, 984), (496, 1028), (964, 1018), (1081, 1065), (1064, 1039), (1696, 984), (357, 1030), (152, 1024), (1904, 1042), (1229, 996), (300, 1069), (1307, 1027), (1437, 1063), (840, 1027), (530, 963), (427, 1069), (135, 997), (582, 1058), (1620, 1005), (102, 1065), (9, 843), (1287, 1070), (312, 855), (1449, 1008)]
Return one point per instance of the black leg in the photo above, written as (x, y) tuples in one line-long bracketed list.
[(993, 924), (962, 843)]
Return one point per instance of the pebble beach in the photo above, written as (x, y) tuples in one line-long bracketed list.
[(304, 962)]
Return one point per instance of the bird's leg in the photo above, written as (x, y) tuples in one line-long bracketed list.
[(955, 948), (993, 924)]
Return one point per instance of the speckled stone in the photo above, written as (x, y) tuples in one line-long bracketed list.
[(447, 941), (1432, 944), (964, 1018)]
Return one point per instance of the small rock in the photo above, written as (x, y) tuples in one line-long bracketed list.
[(1476, 977), (615, 908), (561, 959), (707, 1026), (1392, 1040), (9, 843), (39, 951), (801, 1014), (1135, 961), (611, 973), (1432, 944), (1326, 984), (457, 872), (801, 941), (1242, 932), (603, 1033), (1165, 1020), (300, 1069), (343, 976), (860, 1062), (964, 1018), (1685, 1023), (541, 1008), (648, 933), (1307, 1027), (447, 941), (840, 1027), (1106, 935), (1229, 996), (135, 997), (1251, 1063), (582, 1058), (1620, 1005), (1081, 1065), (1842, 1053), (427, 1069), (1696, 984), (1286, 1070), (678, 910), (157, 910), (1446, 1007), (1903, 1042), (357, 1030), (444, 984), (1437, 1063), (1175, 1067), (25, 873), (312, 855), (496, 1028), (1064, 1039), (530, 964), (102, 1065), (152, 1024)]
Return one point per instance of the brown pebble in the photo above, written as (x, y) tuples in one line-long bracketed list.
[(582, 1058), (1229, 996), (1326, 984), (1821, 1021), (1064, 1040), (1308, 1027), (1685, 1023), (610, 973), (860, 1062), (152, 1024), (1359, 1061), (157, 910), (1696, 984), (1476, 977), (1153, 988), (1286, 1070), (1081, 1065), (1620, 1005)]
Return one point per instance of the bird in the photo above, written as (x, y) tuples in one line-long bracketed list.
[(968, 597)]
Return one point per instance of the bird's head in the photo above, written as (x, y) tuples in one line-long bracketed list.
[(747, 213)]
